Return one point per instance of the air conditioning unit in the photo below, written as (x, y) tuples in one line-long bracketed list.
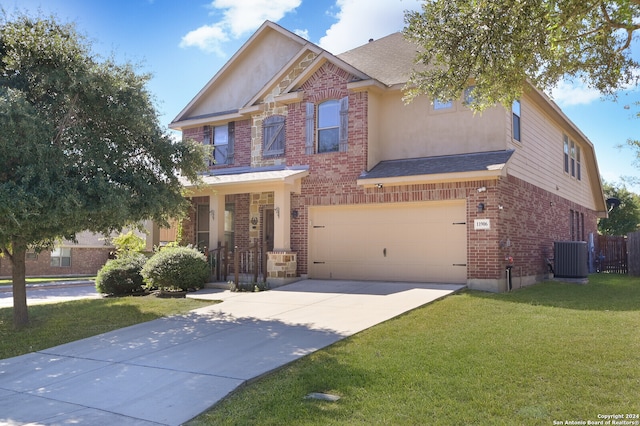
[(571, 259)]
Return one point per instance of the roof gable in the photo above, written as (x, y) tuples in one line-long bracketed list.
[(266, 52)]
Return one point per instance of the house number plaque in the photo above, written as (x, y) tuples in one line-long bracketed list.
[(480, 224)]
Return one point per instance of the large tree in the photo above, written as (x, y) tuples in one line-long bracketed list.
[(624, 216), (81, 147), (497, 45)]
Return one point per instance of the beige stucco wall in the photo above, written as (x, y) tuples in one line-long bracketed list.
[(416, 130), (247, 74)]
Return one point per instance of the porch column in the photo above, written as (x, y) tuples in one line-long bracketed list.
[(282, 219), (216, 219)]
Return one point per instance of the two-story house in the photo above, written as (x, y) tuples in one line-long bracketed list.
[(318, 156)]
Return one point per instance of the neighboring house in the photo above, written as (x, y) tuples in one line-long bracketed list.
[(317, 156), (85, 256)]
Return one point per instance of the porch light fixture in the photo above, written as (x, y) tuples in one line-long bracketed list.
[(254, 220), (379, 185), (482, 189), (480, 207), (277, 210), (294, 213), (212, 213)]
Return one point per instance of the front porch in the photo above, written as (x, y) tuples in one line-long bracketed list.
[(242, 221)]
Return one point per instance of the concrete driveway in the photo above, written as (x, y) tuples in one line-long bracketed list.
[(169, 370)]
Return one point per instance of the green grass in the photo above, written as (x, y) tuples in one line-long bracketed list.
[(48, 280), (55, 324), (549, 352)]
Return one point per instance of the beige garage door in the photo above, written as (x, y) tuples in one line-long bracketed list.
[(423, 242)]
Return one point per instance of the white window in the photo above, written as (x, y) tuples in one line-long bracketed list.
[(222, 139), (328, 130), (572, 158), (515, 111), (329, 126), (61, 256), (440, 105)]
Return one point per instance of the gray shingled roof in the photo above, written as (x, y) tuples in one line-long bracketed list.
[(480, 161), (389, 60)]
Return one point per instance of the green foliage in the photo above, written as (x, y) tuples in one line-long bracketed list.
[(128, 243), (181, 268), (81, 147), (624, 218), (498, 45), (122, 276)]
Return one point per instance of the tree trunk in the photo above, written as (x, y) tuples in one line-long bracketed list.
[(18, 271)]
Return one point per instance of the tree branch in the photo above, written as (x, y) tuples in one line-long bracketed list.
[(629, 28)]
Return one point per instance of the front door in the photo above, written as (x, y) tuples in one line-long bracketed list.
[(267, 232)]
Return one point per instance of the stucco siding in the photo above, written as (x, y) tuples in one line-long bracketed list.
[(418, 130)]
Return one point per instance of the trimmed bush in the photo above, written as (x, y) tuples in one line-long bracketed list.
[(176, 268), (121, 276)]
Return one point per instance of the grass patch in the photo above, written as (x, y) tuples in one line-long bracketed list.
[(39, 280), (55, 324), (549, 352)]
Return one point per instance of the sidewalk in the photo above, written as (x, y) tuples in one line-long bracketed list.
[(167, 371)]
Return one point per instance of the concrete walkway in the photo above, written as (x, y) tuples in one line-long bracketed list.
[(169, 370)]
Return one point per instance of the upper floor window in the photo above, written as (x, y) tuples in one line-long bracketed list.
[(222, 139), (61, 256), (328, 126), (572, 158), (329, 133), (273, 135), (440, 105), (515, 112)]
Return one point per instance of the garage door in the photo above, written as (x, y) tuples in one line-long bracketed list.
[(423, 242)]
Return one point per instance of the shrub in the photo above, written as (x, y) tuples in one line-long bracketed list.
[(128, 243), (121, 276), (174, 268)]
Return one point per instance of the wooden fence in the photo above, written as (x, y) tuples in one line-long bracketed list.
[(633, 253), (612, 254)]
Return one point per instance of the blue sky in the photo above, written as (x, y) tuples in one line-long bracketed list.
[(184, 43)]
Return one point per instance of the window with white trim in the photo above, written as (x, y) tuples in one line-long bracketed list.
[(222, 139), (439, 105), (572, 158), (515, 112), (61, 256), (327, 126)]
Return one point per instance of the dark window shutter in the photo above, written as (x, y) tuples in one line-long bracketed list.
[(273, 135), (309, 128), (231, 143), (344, 123)]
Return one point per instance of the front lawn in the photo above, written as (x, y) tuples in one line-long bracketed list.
[(55, 324), (551, 352)]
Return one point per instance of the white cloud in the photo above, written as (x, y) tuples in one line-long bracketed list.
[(568, 94), (207, 38), (361, 20), (302, 33), (238, 19)]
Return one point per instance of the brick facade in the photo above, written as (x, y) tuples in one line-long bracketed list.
[(525, 219), (84, 261)]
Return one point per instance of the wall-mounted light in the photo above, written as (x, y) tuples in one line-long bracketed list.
[(277, 210), (254, 220), (480, 207), (379, 185), (212, 213), (482, 189), (294, 213)]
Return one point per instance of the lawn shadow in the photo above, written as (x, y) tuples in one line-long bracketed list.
[(603, 292)]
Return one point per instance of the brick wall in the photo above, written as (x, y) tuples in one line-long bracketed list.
[(84, 261)]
